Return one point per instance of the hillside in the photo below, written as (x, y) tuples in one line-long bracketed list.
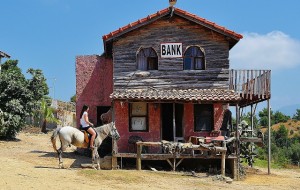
[(292, 125)]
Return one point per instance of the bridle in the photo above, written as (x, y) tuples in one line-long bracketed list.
[(109, 134)]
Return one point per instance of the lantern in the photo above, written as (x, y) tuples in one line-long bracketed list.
[(172, 2)]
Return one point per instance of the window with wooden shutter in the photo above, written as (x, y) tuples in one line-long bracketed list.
[(194, 59), (147, 59)]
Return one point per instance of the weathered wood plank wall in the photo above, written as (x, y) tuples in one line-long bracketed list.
[(170, 73)]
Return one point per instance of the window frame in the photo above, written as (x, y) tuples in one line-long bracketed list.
[(193, 59), (138, 115), (201, 116)]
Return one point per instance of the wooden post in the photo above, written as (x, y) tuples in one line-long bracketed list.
[(139, 157), (234, 169), (237, 142), (114, 162), (114, 159), (174, 164), (223, 160), (269, 137)]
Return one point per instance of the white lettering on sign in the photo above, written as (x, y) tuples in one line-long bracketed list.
[(170, 50)]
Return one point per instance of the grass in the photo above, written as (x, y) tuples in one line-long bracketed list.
[(264, 164)]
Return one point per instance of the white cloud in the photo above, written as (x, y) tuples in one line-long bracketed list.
[(275, 50)]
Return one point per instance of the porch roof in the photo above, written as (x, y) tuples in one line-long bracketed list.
[(190, 95)]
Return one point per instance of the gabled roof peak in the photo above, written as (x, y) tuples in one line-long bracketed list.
[(166, 11)]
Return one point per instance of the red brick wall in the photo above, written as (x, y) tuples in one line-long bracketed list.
[(94, 83), (189, 120), (122, 124), (218, 115)]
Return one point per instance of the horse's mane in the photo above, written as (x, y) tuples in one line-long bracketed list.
[(103, 128)]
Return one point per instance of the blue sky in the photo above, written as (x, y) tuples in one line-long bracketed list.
[(49, 34)]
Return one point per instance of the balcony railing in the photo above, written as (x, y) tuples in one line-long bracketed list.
[(253, 85)]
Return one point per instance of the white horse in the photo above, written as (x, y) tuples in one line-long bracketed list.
[(69, 135)]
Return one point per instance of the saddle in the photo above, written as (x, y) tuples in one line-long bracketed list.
[(87, 136)]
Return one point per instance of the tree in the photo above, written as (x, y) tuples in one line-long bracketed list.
[(73, 98), (276, 117), (297, 115), (18, 97), (263, 115), (37, 85), (281, 137), (280, 117), (47, 114), (247, 118)]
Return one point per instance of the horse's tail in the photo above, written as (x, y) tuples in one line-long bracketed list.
[(53, 138)]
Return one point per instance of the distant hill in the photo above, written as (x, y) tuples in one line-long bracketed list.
[(289, 110), (292, 125)]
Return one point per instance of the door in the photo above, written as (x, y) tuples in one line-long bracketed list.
[(171, 112)]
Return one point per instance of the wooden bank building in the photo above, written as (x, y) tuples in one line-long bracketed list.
[(167, 80)]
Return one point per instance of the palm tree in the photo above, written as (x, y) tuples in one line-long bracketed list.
[(47, 115)]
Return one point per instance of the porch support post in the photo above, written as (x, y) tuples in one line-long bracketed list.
[(223, 160), (269, 137), (252, 123), (139, 157), (237, 110), (114, 159)]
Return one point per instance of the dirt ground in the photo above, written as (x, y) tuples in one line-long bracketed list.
[(30, 163)]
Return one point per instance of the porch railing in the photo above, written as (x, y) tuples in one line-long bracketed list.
[(251, 84)]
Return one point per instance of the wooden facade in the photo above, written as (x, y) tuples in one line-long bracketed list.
[(173, 100), (170, 73)]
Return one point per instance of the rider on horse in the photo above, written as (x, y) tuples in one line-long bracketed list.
[(86, 125)]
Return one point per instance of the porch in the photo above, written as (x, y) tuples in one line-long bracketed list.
[(253, 86), (175, 152)]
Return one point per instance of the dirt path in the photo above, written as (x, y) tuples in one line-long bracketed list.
[(30, 163)]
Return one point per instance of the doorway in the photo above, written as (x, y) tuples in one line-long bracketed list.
[(167, 112), (106, 146), (101, 110)]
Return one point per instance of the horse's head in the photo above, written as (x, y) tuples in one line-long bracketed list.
[(114, 132)]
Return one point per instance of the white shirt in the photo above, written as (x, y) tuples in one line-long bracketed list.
[(83, 123)]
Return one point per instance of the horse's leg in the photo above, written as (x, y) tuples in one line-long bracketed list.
[(98, 160), (93, 157), (59, 152)]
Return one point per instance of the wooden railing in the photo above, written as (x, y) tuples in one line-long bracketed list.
[(251, 83)]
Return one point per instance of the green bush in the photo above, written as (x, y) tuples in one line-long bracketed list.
[(18, 97)]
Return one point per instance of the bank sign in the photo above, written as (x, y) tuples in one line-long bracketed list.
[(171, 50)]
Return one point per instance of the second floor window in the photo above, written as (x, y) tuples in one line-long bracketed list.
[(194, 59), (147, 59)]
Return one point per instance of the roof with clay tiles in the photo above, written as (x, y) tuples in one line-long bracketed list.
[(164, 12), (191, 95)]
